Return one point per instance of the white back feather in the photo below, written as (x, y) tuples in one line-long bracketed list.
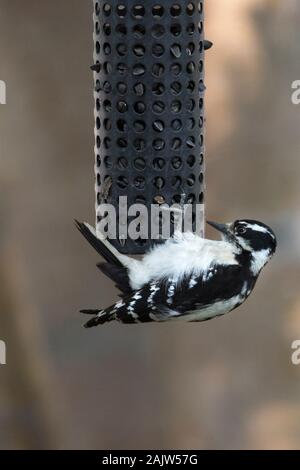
[(184, 254)]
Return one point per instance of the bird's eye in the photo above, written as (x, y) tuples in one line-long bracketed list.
[(241, 230)]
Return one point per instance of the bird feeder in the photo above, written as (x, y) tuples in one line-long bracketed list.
[(149, 108)]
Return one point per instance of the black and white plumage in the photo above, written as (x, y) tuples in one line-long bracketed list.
[(186, 278)]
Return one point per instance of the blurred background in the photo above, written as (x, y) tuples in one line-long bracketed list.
[(223, 384)]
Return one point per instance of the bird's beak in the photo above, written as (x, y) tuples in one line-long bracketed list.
[(223, 228)]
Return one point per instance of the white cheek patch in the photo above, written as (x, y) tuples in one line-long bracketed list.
[(244, 243), (259, 260)]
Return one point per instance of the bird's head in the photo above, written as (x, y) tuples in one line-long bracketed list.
[(251, 236)]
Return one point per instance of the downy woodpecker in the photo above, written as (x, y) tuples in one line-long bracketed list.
[(186, 278)]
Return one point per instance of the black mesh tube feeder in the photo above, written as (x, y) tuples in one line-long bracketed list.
[(149, 107)]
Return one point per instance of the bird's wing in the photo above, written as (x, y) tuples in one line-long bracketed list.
[(200, 290), (170, 299), (142, 306)]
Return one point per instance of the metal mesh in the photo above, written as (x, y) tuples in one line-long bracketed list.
[(149, 72)]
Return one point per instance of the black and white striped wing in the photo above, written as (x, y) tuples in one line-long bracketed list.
[(219, 283), (170, 299)]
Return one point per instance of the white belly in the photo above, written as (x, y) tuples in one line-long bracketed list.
[(215, 310)]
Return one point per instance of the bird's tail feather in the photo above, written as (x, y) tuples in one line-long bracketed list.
[(99, 316), (90, 311), (102, 246)]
